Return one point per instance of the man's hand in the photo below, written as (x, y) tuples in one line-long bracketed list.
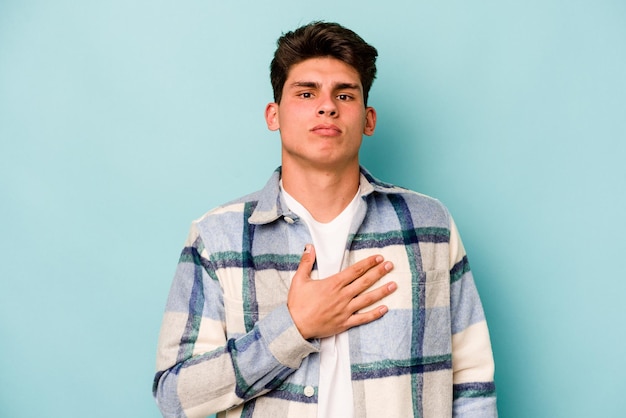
[(321, 308)]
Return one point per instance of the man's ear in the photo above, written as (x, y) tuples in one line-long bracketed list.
[(271, 116), (370, 121)]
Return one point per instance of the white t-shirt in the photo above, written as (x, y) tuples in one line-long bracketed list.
[(329, 239)]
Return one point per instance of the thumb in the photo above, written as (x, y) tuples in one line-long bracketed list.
[(306, 263)]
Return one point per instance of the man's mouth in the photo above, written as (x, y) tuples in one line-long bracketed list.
[(326, 130)]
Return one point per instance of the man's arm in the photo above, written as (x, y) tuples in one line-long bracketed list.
[(472, 358), (200, 371)]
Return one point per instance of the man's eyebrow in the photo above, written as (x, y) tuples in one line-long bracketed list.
[(315, 85), (346, 86), (307, 84)]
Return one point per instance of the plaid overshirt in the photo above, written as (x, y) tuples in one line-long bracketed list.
[(229, 345)]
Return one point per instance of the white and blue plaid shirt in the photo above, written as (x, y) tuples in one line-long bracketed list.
[(228, 344)]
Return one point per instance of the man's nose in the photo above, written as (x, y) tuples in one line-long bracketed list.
[(327, 107)]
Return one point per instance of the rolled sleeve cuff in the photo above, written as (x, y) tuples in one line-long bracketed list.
[(284, 340)]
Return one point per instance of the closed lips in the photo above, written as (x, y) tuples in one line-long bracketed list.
[(326, 129)]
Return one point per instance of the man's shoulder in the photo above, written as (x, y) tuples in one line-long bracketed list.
[(406, 203), (417, 208), (395, 189), (249, 200), (419, 199), (234, 206), (412, 199)]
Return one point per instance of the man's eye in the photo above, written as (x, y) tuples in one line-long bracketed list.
[(344, 97), (306, 95)]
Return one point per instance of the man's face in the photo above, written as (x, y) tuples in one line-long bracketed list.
[(322, 116)]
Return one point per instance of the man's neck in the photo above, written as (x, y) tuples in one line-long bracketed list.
[(324, 193)]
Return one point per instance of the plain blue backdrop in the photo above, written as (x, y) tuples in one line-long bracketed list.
[(122, 121)]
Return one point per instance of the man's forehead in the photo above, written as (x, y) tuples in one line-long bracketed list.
[(323, 70)]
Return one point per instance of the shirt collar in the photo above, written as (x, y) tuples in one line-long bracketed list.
[(270, 206)]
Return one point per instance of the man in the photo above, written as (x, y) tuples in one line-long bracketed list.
[(378, 316)]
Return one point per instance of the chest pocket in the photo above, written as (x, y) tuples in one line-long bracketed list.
[(416, 330)]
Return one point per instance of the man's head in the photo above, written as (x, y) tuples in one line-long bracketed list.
[(321, 39)]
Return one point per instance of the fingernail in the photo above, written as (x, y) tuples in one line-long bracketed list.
[(392, 286), (383, 310), (379, 258), (388, 266)]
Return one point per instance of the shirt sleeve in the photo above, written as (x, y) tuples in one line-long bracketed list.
[(199, 370), (472, 358)]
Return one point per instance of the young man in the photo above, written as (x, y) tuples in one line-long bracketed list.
[(377, 317)]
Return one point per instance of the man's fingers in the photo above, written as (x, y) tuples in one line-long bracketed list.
[(362, 318), (366, 299), (369, 278), (357, 270)]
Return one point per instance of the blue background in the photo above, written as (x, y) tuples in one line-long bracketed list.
[(122, 121)]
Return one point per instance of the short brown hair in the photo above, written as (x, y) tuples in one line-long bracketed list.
[(322, 39)]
